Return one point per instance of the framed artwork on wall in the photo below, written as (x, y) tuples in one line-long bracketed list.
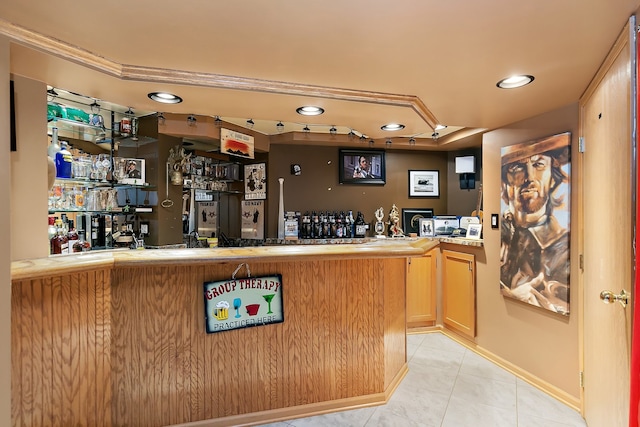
[(362, 167), (424, 183)]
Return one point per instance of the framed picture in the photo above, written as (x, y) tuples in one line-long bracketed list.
[(362, 167), (252, 222), (129, 171), (255, 181), (411, 218), (473, 231), (236, 143), (426, 227), (424, 184)]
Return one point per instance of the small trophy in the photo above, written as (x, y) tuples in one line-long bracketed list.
[(379, 225)]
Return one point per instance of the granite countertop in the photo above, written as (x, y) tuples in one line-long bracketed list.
[(372, 248)]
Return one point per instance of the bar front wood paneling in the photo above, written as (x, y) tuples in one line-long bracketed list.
[(125, 343)]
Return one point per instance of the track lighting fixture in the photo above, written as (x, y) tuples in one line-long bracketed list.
[(435, 136), (161, 119), (412, 141), (250, 124), (306, 129), (388, 142), (371, 142), (333, 130), (217, 121), (280, 127), (191, 120), (51, 94), (129, 112), (351, 134), (95, 107)]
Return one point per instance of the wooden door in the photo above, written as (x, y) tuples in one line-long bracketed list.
[(607, 211), (421, 290), (459, 292)]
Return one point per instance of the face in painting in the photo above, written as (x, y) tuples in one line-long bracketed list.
[(528, 182)]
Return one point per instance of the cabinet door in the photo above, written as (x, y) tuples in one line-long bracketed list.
[(421, 290), (459, 292)]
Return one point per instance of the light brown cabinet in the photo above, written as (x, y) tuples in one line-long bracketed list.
[(421, 290), (459, 292)]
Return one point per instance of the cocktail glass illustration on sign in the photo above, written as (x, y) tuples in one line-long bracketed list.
[(237, 302), (221, 312), (268, 299)]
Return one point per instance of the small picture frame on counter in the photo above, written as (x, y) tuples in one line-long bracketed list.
[(426, 227), (474, 231), (129, 171)]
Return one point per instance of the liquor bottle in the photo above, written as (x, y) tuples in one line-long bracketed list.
[(352, 221), (332, 224), (305, 231), (81, 245), (347, 225), (52, 227), (316, 228), (361, 227), (325, 226), (54, 147), (340, 225), (64, 161), (59, 243), (72, 236)]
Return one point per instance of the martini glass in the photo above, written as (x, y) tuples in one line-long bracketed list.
[(268, 299), (237, 302)]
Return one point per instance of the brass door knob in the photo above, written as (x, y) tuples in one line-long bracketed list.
[(609, 297)]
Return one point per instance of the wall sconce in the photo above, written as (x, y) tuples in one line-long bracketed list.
[(280, 127), (161, 119), (250, 124), (217, 122), (95, 107), (306, 129), (466, 167), (296, 169), (191, 120), (333, 130)]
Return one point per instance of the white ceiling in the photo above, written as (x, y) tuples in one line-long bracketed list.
[(366, 62)]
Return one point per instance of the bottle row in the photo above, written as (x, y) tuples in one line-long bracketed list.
[(76, 196), (64, 238), (330, 225)]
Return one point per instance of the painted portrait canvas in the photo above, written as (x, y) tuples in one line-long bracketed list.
[(535, 227)]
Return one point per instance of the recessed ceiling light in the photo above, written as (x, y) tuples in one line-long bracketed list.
[(165, 97), (515, 81), (309, 110), (392, 126)]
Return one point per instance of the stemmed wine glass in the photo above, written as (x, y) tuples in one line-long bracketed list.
[(237, 303), (268, 299)]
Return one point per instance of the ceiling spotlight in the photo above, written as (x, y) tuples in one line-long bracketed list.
[(217, 121), (129, 112), (435, 136), (280, 127), (191, 120), (412, 141), (161, 118), (440, 127), (515, 81), (165, 97), (388, 142), (363, 138), (306, 129), (250, 124), (371, 142), (51, 94), (95, 107), (309, 110), (333, 130), (392, 126), (351, 134)]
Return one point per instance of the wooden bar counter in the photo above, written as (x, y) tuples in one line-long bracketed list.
[(119, 339)]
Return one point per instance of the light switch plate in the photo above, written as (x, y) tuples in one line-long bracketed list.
[(494, 221)]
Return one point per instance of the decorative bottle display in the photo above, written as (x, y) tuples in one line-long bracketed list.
[(64, 161), (81, 245), (54, 147), (361, 226), (60, 242)]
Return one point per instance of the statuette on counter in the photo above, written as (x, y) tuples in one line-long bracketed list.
[(379, 224), (394, 222)]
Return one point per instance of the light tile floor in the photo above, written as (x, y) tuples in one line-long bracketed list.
[(449, 385)]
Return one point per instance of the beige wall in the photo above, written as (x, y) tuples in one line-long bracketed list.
[(544, 344), (29, 171), (5, 230)]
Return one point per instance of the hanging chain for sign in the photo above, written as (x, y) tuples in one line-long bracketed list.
[(167, 202), (233, 276)]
